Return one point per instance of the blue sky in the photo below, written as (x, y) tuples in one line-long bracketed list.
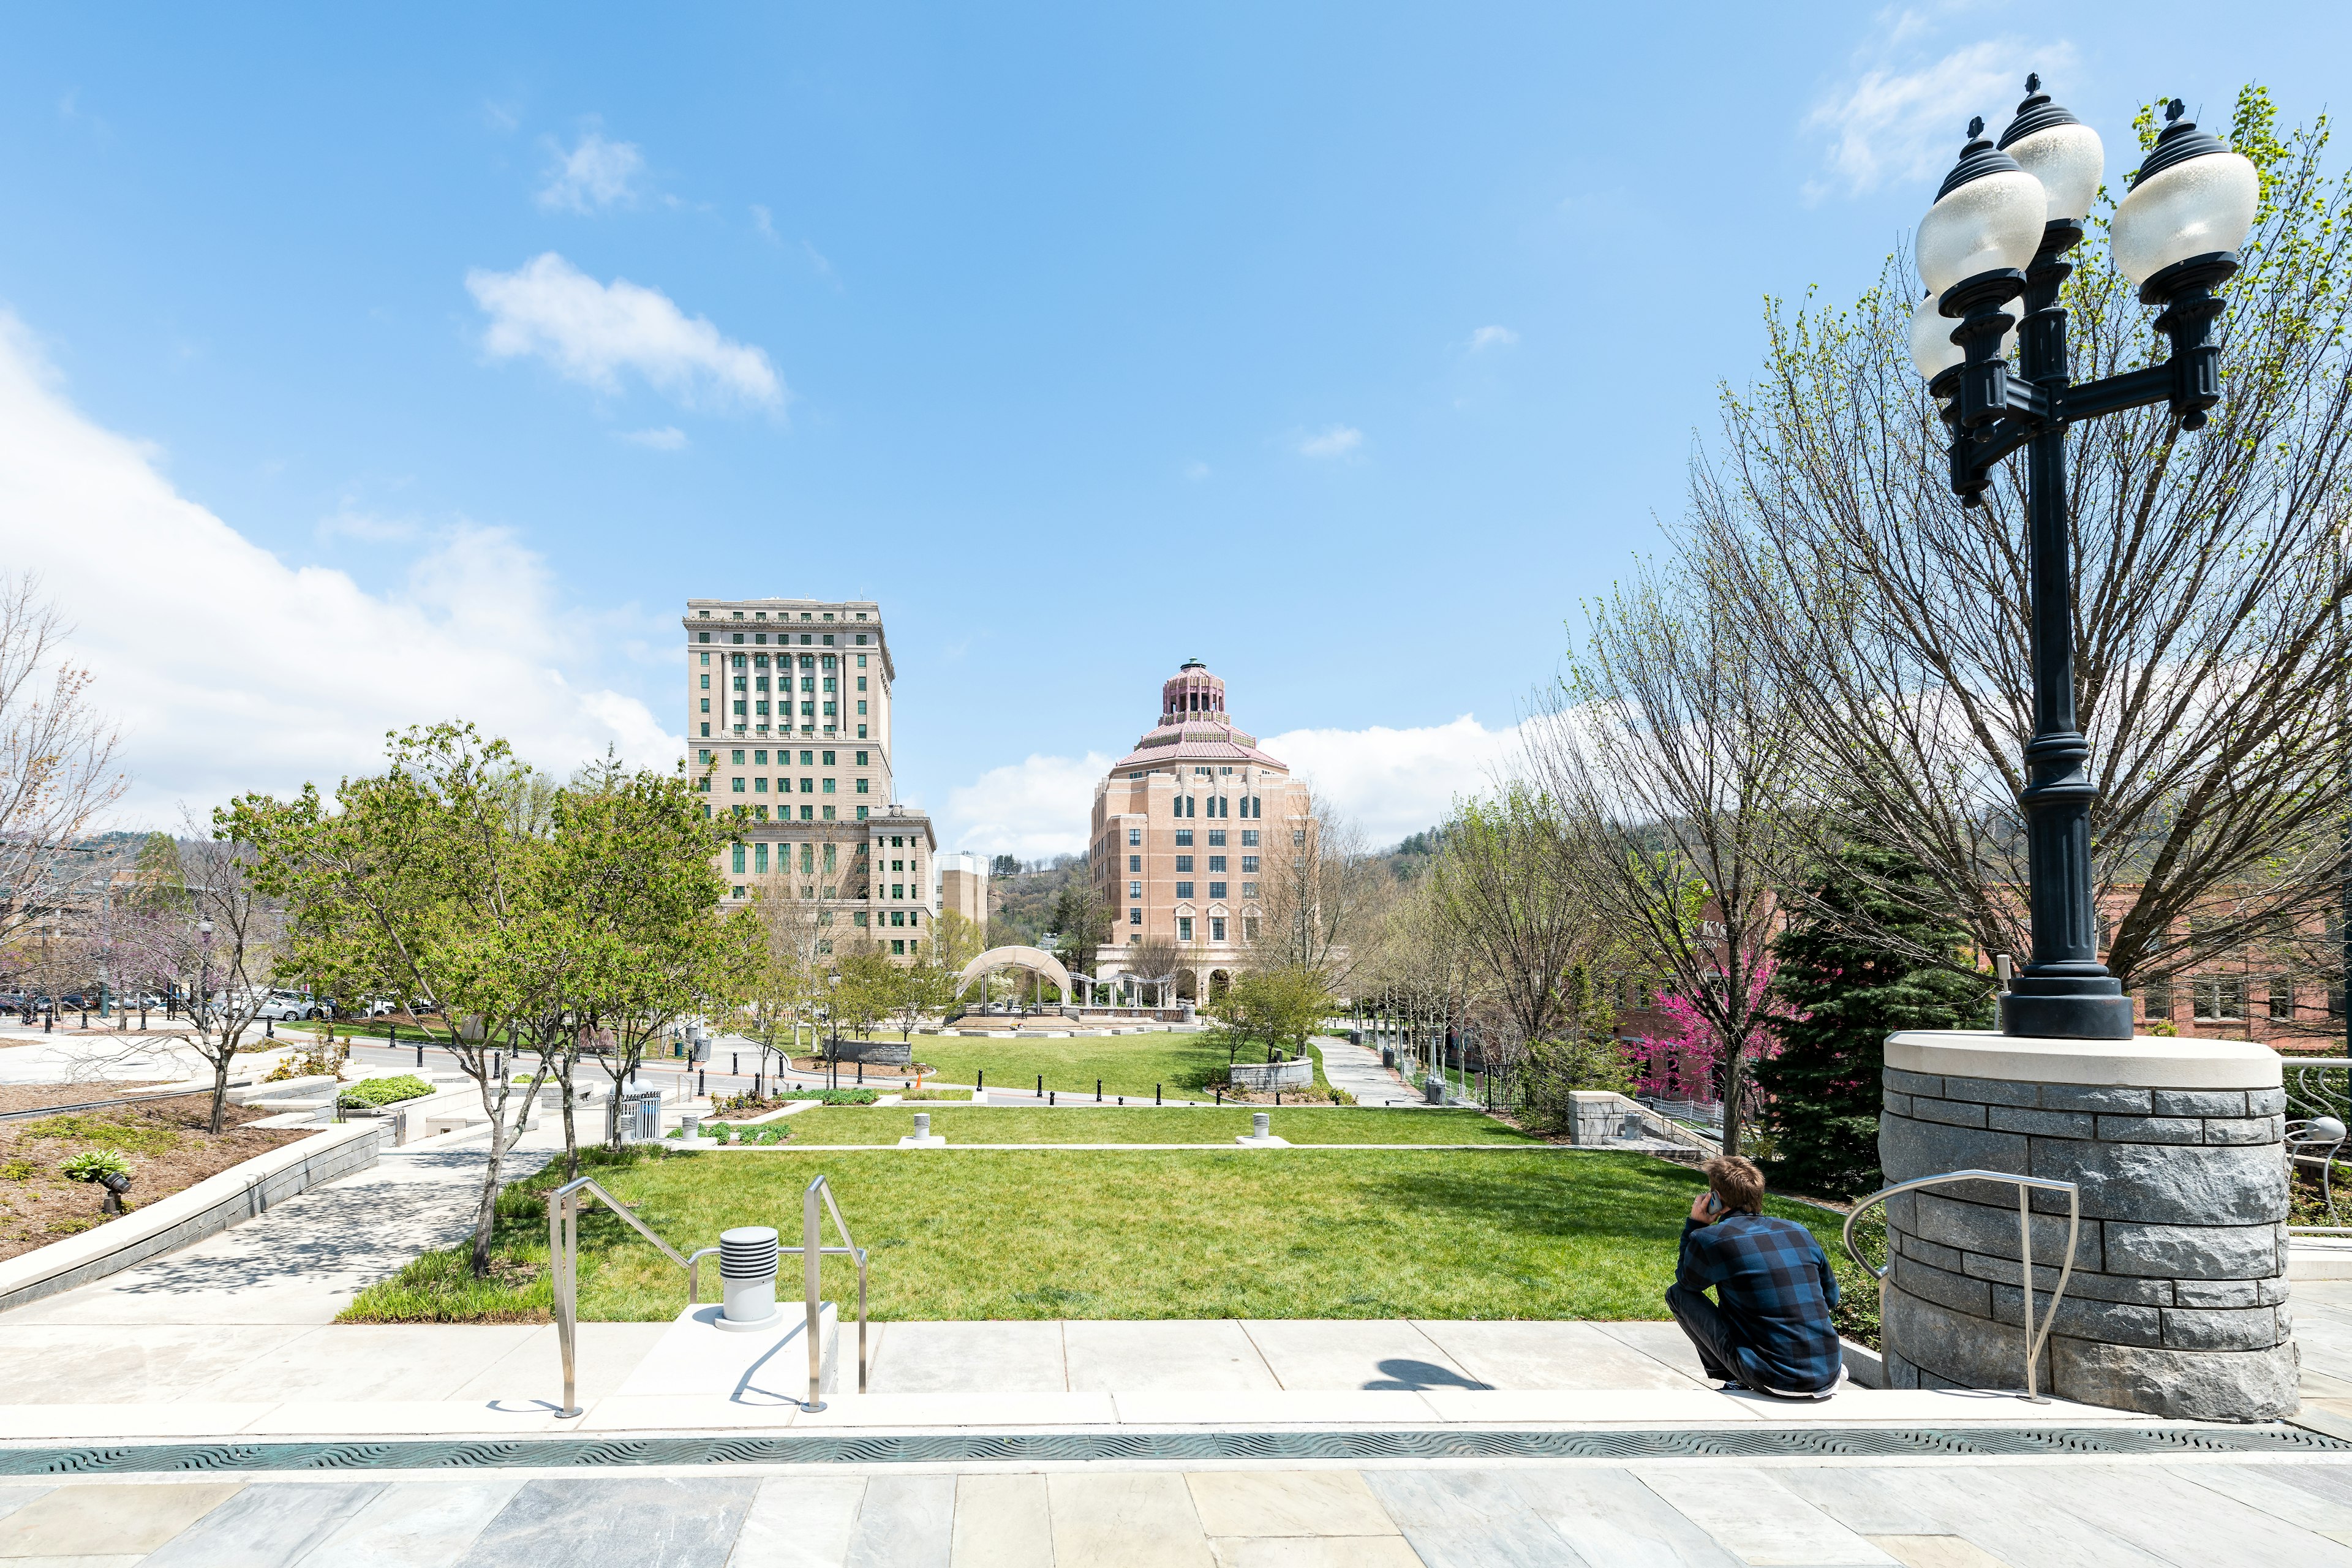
[(1344, 347)]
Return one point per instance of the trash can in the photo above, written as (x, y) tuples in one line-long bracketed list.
[(640, 1117)]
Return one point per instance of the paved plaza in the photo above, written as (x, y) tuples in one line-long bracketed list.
[(1375, 1442)]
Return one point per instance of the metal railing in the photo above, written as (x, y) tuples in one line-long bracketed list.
[(811, 1256), (2033, 1342), (563, 1265)]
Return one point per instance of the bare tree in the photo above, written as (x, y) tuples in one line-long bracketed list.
[(1318, 889), (1668, 751), (58, 768), (215, 937), (2209, 663), (1519, 920)]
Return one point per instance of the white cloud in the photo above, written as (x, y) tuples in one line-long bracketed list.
[(590, 331), (367, 528), (668, 439), (1036, 808), (1492, 337), (595, 174), (242, 671), (1390, 781), (1900, 118), (1335, 442), (1397, 781)]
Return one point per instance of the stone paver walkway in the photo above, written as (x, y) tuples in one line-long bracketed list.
[(1701, 1513)]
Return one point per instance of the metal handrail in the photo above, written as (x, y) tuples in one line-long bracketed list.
[(2033, 1342), (563, 1264), (812, 1255)]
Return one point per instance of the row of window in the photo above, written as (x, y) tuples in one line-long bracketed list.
[(784, 785), (784, 813), (807, 639), (785, 711), (783, 661), (783, 758), (784, 857), (782, 614), (2225, 997), (783, 728), (784, 683)]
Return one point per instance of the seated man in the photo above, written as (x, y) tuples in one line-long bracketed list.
[(1769, 1327)]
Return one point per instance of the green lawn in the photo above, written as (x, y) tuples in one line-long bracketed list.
[(1131, 1065), (1013, 1234), (1169, 1124)]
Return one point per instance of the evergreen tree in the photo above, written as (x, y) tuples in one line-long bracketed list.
[(1842, 995)]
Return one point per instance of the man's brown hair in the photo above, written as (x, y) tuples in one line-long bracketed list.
[(1737, 1183)]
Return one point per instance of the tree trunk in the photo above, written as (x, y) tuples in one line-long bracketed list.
[(1735, 1062), (485, 1209), (571, 1136), (220, 1088)]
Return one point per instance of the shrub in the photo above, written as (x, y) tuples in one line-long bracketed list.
[(91, 1164), (16, 1170), (377, 1091), (833, 1096)]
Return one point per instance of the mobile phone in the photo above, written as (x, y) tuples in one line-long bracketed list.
[(1714, 1207)]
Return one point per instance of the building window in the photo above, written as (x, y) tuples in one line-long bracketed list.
[(736, 757), (1249, 890), (861, 707), (1249, 863), (760, 855), (828, 786), (1249, 838), (828, 814), (739, 891), (808, 786), (1134, 836), (1184, 838), (1216, 928), (861, 786), (2159, 999), (1183, 928), (736, 784), (897, 946), (1135, 862), (2282, 997), (1298, 836), (703, 636), (1249, 928), (738, 865), (1183, 889), (760, 786), (861, 814), (808, 814), (1134, 917), (1217, 862), (1216, 839), (1183, 862), (2218, 999), (1135, 889), (1216, 890)]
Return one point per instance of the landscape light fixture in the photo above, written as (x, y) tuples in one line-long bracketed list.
[(2000, 228)]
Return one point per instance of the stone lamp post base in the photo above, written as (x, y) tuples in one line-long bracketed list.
[(2178, 1302)]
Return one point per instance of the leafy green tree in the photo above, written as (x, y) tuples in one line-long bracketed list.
[(1281, 1006), (1842, 992)]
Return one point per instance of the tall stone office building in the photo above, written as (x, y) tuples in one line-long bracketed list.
[(788, 733), (1186, 828)]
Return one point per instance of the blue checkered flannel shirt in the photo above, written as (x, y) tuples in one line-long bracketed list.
[(1775, 1288)]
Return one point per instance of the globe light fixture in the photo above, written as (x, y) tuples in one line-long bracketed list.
[(1993, 252)]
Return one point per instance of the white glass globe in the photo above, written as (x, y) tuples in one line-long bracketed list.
[(1986, 225), (1933, 352), (2068, 160), (2194, 207)]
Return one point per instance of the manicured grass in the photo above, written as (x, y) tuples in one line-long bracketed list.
[(1039, 1234), (1129, 1064), (1164, 1124)]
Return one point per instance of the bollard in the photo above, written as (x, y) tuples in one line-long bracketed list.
[(1049, 1097), (979, 1080), (735, 1064), (747, 1273), (701, 1082), (861, 1069), (1155, 1094), (269, 1028), (420, 1053), (1040, 1083), (922, 1125), (1097, 1091), (1220, 1097), (1260, 1124)]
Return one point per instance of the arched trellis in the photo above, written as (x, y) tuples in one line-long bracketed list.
[(1035, 958)]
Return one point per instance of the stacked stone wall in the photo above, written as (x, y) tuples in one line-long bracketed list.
[(2176, 1304)]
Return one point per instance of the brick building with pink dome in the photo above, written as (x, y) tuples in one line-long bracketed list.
[(1187, 826)]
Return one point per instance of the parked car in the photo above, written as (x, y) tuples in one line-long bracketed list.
[(278, 1005)]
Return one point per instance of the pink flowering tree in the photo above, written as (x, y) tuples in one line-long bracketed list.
[(1687, 1061)]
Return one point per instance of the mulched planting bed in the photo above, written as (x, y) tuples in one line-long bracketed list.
[(162, 1141)]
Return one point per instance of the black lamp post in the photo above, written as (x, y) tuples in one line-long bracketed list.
[(2001, 225)]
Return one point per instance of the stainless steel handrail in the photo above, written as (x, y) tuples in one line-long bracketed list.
[(563, 1265), (812, 1255), (2033, 1342)]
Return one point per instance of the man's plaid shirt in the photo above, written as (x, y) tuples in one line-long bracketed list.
[(1774, 1285)]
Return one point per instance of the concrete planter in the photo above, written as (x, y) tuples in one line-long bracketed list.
[(879, 1053), (2177, 1303), (1264, 1078), (212, 1205)]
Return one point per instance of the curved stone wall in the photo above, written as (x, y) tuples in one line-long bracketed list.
[(2178, 1302)]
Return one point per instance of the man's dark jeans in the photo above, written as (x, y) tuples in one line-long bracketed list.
[(1704, 1322)]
